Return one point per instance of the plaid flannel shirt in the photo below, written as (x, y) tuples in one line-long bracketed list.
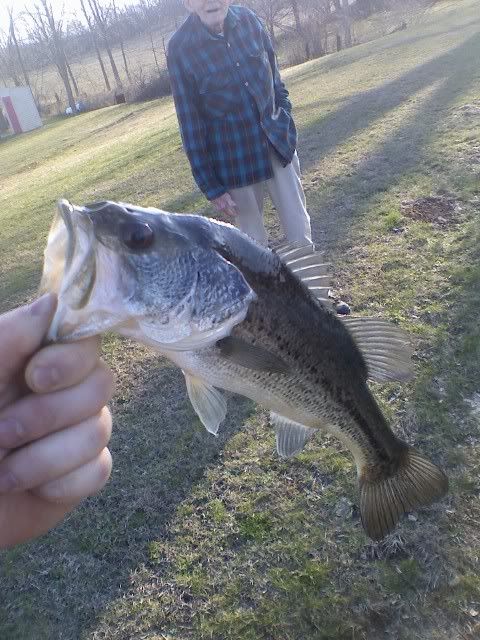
[(230, 100)]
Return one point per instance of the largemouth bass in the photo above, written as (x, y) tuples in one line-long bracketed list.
[(236, 316)]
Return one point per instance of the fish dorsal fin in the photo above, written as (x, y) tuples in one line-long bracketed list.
[(385, 347), (208, 402), (309, 267), (290, 436), (250, 356)]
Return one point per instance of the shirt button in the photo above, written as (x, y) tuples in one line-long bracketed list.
[(246, 84)]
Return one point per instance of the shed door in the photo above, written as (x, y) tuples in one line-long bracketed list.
[(12, 116)]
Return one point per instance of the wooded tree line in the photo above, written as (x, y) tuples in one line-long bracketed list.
[(40, 37)]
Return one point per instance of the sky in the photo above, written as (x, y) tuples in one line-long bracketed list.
[(70, 8)]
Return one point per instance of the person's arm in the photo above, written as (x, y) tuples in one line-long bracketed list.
[(192, 128), (54, 425), (281, 92)]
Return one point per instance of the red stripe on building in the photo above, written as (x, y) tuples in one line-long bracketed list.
[(12, 116)]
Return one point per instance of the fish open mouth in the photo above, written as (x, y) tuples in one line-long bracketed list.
[(69, 268)]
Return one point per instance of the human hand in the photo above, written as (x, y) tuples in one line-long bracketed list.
[(226, 205), (54, 426)]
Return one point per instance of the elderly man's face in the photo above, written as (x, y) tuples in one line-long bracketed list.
[(211, 12)]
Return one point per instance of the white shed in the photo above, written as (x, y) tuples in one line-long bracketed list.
[(19, 108)]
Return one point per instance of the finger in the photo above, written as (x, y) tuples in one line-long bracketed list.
[(50, 458), (80, 483), (21, 333), (25, 517), (59, 366), (231, 212), (38, 415)]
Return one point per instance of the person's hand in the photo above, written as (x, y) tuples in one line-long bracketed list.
[(226, 205), (54, 426)]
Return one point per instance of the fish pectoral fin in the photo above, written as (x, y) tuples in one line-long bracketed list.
[(250, 356), (386, 495), (386, 348), (290, 436), (208, 402)]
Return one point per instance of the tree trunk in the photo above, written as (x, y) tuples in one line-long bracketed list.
[(347, 32), (63, 73), (127, 72), (299, 28), (122, 48), (13, 36), (62, 66), (102, 66), (99, 19), (154, 52), (95, 44), (72, 78)]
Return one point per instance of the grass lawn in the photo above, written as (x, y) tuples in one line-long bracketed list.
[(197, 537)]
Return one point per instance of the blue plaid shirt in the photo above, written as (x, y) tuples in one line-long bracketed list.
[(231, 102)]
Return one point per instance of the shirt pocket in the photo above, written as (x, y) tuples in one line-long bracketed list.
[(218, 94)]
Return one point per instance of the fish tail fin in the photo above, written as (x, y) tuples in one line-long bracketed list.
[(387, 494)]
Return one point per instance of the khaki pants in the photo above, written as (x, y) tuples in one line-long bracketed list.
[(286, 192)]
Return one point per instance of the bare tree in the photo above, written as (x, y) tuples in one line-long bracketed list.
[(299, 27), (101, 19), (148, 11), (95, 45), (47, 30), (7, 61), (273, 13), (347, 24), (13, 38), (119, 35)]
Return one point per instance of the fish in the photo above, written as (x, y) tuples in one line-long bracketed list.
[(239, 317)]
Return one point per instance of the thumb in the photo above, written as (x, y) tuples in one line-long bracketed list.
[(21, 334)]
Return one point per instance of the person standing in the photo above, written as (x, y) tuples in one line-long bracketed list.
[(235, 118)]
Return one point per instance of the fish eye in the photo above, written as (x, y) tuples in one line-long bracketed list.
[(137, 235)]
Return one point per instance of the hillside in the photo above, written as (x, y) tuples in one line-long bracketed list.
[(197, 537)]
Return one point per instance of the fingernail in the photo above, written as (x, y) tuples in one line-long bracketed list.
[(42, 305), (45, 378), (11, 432), (8, 482)]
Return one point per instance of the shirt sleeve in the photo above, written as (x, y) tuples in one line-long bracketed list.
[(281, 92), (192, 129)]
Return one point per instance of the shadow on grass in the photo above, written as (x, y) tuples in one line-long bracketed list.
[(446, 76), (160, 451), (363, 52)]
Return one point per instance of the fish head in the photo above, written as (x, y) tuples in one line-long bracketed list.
[(144, 273)]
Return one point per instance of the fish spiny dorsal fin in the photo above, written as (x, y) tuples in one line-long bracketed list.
[(309, 267), (386, 494), (290, 436), (385, 347), (208, 402)]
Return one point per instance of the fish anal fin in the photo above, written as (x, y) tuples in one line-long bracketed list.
[(250, 356), (385, 347), (208, 402), (290, 436), (386, 496)]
